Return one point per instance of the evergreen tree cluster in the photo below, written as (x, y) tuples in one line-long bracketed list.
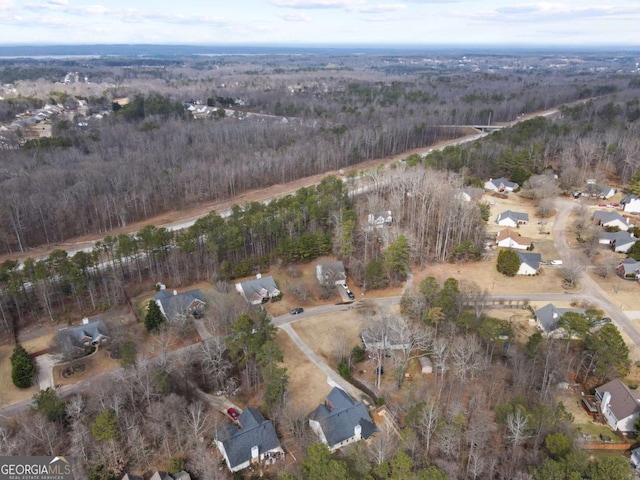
[(23, 368)]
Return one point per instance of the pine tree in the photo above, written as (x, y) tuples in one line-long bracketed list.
[(508, 262), (154, 317), (23, 368)]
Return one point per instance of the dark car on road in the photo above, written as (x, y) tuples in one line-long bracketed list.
[(297, 310)]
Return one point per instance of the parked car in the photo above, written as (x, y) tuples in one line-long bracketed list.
[(233, 413), (555, 262), (606, 320), (297, 310)]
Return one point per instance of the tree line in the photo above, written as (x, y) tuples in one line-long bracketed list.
[(151, 158)]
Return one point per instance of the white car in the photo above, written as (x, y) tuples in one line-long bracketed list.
[(555, 262)]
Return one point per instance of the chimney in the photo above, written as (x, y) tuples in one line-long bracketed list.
[(255, 452), (175, 292), (357, 431)]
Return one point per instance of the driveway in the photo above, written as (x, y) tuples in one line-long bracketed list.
[(45, 364)]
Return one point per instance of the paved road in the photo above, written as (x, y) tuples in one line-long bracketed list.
[(590, 289)]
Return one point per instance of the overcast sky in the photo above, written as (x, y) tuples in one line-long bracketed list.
[(322, 22)]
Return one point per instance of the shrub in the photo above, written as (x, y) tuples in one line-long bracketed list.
[(344, 370), (23, 369), (358, 354)]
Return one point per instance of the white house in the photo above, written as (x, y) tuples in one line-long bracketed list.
[(529, 263), (509, 238), (512, 219), (621, 242), (611, 219), (341, 421), (619, 405), (500, 185), (380, 219), (631, 203)]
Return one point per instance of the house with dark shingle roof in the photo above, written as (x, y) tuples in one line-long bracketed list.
[(510, 218), (619, 405), (331, 273), (131, 477), (252, 440), (341, 421), (549, 315), (620, 241), (629, 268), (77, 341), (259, 290), (500, 185), (173, 303), (611, 219), (529, 263), (161, 476)]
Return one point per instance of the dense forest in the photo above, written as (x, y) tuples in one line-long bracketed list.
[(150, 156)]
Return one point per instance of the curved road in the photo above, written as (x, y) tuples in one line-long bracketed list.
[(590, 289)]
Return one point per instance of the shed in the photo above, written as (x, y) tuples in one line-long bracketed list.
[(426, 366)]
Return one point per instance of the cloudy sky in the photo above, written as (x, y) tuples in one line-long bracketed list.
[(322, 22)]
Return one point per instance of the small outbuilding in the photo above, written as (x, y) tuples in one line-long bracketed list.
[(426, 366)]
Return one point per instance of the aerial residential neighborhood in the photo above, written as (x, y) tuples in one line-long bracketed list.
[(317, 264)]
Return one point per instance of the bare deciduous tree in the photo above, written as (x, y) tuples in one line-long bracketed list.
[(572, 269)]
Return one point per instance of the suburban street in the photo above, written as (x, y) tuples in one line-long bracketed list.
[(590, 289)]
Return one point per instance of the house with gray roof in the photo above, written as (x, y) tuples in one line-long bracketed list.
[(619, 405), (500, 185), (549, 315), (77, 341), (380, 219), (126, 476), (253, 440), (510, 218), (605, 191), (172, 304), (388, 335), (611, 219), (161, 476), (635, 457), (331, 273), (620, 241), (529, 263), (631, 203), (629, 268), (341, 421), (259, 290)]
